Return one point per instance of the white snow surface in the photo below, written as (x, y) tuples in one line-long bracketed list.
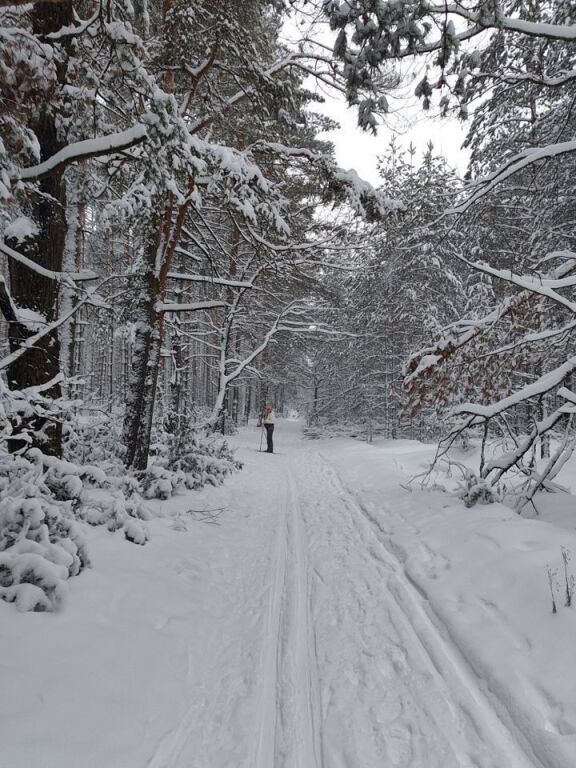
[(21, 228), (325, 618)]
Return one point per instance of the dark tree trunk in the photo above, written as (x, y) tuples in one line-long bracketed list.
[(146, 357), (144, 369), (180, 408), (32, 291)]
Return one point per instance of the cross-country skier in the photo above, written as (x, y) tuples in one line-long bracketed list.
[(268, 421)]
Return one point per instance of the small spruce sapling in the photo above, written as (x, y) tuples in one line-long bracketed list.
[(473, 490)]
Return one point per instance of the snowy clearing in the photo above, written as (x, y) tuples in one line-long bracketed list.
[(326, 618)]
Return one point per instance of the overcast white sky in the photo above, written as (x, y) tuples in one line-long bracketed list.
[(356, 148)]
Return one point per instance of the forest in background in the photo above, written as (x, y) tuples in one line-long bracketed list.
[(179, 246)]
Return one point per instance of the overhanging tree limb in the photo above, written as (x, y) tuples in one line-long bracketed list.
[(31, 341), (496, 20), (515, 164), (83, 150), (61, 277)]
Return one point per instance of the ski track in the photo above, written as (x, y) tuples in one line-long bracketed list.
[(270, 669), (354, 669), (289, 730), (485, 735)]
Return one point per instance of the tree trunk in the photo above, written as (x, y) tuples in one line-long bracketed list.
[(150, 335), (31, 291), (145, 364), (227, 342)]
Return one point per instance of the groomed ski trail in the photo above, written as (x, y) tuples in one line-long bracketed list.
[(394, 691), (350, 667), (486, 733), (290, 727)]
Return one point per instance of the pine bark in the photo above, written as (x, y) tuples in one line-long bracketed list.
[(41, 363), (144, 369), (159, 255)]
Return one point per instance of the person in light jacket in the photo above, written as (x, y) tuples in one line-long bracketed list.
[(268, 422)]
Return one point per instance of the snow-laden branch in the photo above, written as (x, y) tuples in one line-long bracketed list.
[(543, 479), (83, 150), (503, 463), (568, 395), (457, 335), (363, 197), (284, 150), (242, 94), (541, 285), (61, 277), (191, 278), (541, 386), (227, 378), (187, 253), (197, 74), (293, 59), (512, 78), (496, 20), (75, 29), (532, 338), (513, 165), (197, 306), (227, 375), (31, 341)]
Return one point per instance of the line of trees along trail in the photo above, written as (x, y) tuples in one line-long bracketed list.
[(159, 161), (160, 182), (511, 67)]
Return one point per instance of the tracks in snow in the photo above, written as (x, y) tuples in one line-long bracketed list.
[(355, 669), (289, 729), (480, 717)]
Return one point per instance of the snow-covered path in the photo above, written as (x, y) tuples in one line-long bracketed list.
[(318, 626), (357, 674)]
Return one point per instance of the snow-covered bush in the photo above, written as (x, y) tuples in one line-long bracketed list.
[(93, 436), (44, 500), (41, 545), (160, 483), (181, 458), (206, 460), (472, 490), (186, 458)]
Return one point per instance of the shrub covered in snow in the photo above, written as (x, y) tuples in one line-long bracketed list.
[(45, 500), (41, 545), (472, 490), (93, 436), (205, 461), (160, 483), (189, 458)]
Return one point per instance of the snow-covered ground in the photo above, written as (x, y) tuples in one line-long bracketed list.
[(326, 618)]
